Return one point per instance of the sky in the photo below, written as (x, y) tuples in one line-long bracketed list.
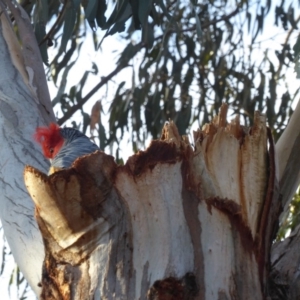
[(107, 59)]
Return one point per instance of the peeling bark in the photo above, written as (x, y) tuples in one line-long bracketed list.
[(285, 276), (175, 222)]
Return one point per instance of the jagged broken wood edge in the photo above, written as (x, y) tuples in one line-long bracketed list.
[(74, 230)]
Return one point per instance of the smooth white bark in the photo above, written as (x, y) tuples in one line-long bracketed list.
[(287, 152), (20, 112)]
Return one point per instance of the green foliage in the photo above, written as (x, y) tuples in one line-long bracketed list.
[(40, 20), (296, 49), (292, 219), (192, 57)]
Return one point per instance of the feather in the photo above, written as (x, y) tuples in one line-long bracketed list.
[(44, 134), (50, 139), (62, 146)]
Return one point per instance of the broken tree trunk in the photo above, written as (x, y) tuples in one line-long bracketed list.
[(176, 222)]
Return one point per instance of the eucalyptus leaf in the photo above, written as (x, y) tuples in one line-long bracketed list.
[(144, 9), (128, 53), (43, 10), (40, 32), (198, 24), (100, 16), (118, 27), (296, 47), (91, 10), (69, 22), (121, 12)]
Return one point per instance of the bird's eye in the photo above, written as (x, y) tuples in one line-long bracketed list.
[(51, 150)]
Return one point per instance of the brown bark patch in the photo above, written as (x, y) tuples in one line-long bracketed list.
[(174, 289), (157, 152), (233, 212)]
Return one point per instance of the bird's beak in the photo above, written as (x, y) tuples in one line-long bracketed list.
[(53, 170)]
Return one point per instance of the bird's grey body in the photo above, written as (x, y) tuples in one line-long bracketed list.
[(76, 144)]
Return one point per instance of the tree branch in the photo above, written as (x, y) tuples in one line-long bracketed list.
[(57, 21), (77, 106)]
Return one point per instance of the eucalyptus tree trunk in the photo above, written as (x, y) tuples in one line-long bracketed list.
[(285, 255), (176, 221), (24, 104)]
